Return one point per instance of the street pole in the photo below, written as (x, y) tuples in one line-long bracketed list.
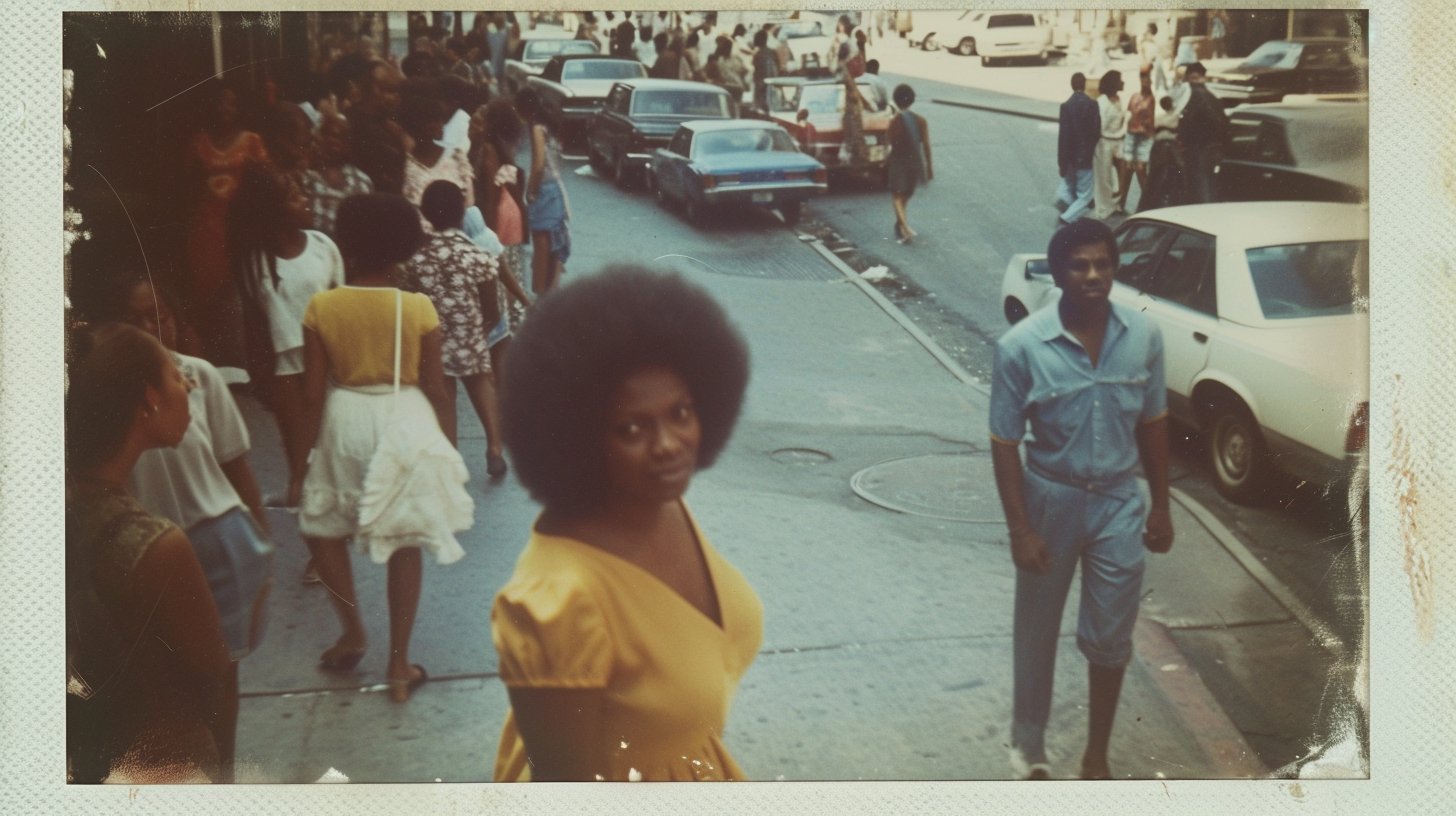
[(216, 43)]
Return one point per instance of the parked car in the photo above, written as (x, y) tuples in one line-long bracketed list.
[(530, 56), (574, 86), (1297, 66), (1266, 333), (734, 161), (812, 111), (641, 115), (995, 35), (1318, 151)]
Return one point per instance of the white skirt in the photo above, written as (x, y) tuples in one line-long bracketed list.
[(411, 494)]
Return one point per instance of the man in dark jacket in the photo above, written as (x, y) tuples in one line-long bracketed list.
[(1081, 127), (1203, 131)]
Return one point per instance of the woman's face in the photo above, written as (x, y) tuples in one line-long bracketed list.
[(299, 215), (167, 424), (147, 312), (652, 438)]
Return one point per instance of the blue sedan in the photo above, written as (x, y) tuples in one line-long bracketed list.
[(734, 161)]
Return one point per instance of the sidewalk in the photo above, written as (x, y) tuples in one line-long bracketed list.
[(887, 635)]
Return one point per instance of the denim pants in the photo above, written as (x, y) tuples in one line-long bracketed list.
[(1074, 203), (1104, 534)]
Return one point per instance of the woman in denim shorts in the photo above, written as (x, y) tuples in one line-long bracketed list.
[(1137, 145)]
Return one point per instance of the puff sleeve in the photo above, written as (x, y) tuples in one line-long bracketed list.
[(550, 633)]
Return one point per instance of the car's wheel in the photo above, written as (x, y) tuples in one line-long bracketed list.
[(620, 173), (1015, 311), (966, 47), (791, 212), (1236, 450), (929, 43)]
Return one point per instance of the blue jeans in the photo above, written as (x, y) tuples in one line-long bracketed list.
[(1104, 534), (1074, 203)]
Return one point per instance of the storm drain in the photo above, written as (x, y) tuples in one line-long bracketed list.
[(789, 264), (949, 486)]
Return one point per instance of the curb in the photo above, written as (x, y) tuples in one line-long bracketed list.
[(993, 109), (1217, 736)]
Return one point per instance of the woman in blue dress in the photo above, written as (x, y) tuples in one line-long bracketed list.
[(547, 210)]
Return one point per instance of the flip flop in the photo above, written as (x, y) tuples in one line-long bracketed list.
[(341, 658), (400, 690)]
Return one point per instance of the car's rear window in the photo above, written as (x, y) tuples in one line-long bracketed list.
[(602, 69), (1011, 21), (1319, 142), (707, 104), (1311, 280), (743, 140), (1273, 54), (545, 49)]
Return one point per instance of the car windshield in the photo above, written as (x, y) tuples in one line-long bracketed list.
[(742, 140), (602, 69), (1273, 54), (706, 104), (783, 98), (546, 49), (797, 29), (1311, 280), (1011, 21)]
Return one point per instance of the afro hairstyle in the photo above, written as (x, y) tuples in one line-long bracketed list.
[(581, 342), (1079, 233), (377, 230), (443, 204)]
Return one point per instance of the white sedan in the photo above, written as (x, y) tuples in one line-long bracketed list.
[(1266, 332)]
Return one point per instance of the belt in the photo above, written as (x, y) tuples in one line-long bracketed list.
[(1102, 487)]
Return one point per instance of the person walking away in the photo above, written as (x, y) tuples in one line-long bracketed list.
[(378, 142), (1087, 375), (1203, 130), (1078, 133), (1137, 145), (693, 59), (215, 162), (423, 118), (547, 209), (1165, 167), (206, 487), (379, 471), (1148, 57), (622, 633), (332, 179), (1166, 40), (460, 279), (1104, 159), (904, 23), (668, 64), (722, 70), (148, 690), (498, 36), (280, 264), (765, 67), (909, 164), (502, 205)]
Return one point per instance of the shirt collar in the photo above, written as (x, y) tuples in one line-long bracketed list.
[(1050, 328)]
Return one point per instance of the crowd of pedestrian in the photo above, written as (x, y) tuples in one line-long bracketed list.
[(1170, 143)]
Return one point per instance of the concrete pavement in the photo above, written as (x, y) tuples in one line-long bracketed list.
[(887, 635)]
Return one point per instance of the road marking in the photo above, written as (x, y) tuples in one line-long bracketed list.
[(1261, 573), (900, 317)]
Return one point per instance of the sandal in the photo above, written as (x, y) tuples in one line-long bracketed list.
[(400, 690), (340, 658)]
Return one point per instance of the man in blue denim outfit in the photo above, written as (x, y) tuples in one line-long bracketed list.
[(1087, 375)]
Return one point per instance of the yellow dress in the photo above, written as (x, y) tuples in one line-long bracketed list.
[(575, 616)]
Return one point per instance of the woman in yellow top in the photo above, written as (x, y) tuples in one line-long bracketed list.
[(378, 468), (622, 634)]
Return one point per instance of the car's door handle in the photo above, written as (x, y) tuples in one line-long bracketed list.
[(1200, 337)]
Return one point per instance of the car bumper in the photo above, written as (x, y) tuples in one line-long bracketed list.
[(764, 195), (1012, 50), (828, 153)]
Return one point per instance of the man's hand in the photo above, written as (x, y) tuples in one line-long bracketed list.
[(1030, 552), (1158, 537)]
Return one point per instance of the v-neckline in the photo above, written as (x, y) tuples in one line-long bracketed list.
[(721, 623)]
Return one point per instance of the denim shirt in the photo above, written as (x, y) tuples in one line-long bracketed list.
[(1083, 420)]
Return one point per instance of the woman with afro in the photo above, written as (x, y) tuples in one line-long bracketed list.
[(622, 634)]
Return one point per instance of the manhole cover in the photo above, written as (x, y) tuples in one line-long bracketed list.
[(950, 486), (800, 456)]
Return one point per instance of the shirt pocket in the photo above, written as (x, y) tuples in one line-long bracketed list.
[(1059, 410), (1128, 394)]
